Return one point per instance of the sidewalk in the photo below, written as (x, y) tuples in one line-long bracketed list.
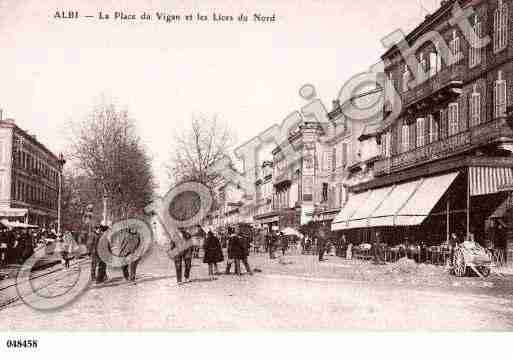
[(404, 272)]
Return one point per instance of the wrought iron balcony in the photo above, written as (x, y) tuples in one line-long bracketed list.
[(497, 130), (440, 87)]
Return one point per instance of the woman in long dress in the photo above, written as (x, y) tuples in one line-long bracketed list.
[(213, 254)]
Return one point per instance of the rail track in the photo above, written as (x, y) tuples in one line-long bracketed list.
[(4, 303)]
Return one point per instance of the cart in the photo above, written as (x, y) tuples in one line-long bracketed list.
[(470, 256)]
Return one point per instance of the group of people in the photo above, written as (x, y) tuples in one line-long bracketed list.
[(237, 252), (127, 242), (18, 244)]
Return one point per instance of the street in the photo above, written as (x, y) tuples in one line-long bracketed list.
[(294, 293)]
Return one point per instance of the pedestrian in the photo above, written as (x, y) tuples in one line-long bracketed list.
[(284, 243), (269, 244), (183, 258), (98, 266), (3, 248), (377, 249), (130, 242), (242, 252), (321, 242), (62, 248), (233, 248), (213, 254), (273, 240)]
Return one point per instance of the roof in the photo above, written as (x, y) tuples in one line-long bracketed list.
[(430, 19), (11, 123)]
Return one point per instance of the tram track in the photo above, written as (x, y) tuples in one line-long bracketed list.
[(9, 301)]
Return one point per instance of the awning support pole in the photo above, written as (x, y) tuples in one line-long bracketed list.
[(447, 219), (468, 203)]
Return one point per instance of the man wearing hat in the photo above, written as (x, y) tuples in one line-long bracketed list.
[(98, 266), (131, 240)]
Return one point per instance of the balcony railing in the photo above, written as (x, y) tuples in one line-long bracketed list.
[(433, 84), (476, 136)]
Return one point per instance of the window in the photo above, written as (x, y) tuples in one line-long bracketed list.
[(453, 118), (421, 131), (435, 62), (475, 107), (406, 78), (454, 45), (500, 26), (422, 66), (324, 192), (433, 129), (386, 144), (344, 154), (326, 162), (405, 138), (474, 51), (499, 96)]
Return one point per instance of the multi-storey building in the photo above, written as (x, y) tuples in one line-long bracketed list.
[(29, 177), (312, 186), (446, 161)]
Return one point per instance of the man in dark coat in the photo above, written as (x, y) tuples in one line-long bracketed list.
[(184, 257), (321, 242), (213, 253), (130, 241), (98, 266), (243, 253), (234, 250)]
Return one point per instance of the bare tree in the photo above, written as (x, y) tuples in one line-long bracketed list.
[(197, 148), (108, 153)]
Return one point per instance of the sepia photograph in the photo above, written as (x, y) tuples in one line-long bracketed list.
[(306, 166)]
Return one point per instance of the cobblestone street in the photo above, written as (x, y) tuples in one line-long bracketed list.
[(295, 292)]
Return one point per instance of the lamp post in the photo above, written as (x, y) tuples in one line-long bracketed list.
[(62, 161)]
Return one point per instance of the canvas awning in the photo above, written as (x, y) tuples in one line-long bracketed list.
[(488, 180), (352, 204), (405, 204), (385, 215), (13, 212), (416, 210), (361, 216)]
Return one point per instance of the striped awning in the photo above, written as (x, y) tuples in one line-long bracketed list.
[(488, 180)]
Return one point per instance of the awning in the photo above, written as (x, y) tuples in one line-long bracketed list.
[(13, 212), (269, 220), (406, 204), (385, 215), (360, 218), (416, 210), (352, 204), (488, 180)]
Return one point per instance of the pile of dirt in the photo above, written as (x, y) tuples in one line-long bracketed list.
[(403, 266), (284, 261), (409, 266)]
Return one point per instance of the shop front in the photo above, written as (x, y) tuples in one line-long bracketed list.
[(425, 207)]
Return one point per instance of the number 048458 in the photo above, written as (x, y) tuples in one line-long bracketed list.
[(21, 343)]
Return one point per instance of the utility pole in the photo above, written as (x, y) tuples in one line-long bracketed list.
[(62, 161), (105, 198)]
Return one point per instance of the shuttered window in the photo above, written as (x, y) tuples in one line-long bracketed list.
[(474, 51), (475, 107), (421, 132), (500, 26), (453, 118), (500, 95)]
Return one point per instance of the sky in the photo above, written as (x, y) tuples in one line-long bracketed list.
[(53, 71)]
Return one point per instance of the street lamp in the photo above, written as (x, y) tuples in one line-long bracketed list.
[(61, 161)]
